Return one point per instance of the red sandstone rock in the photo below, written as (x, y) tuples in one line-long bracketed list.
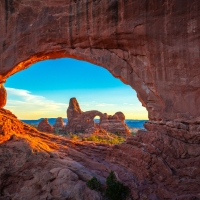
[(120, 116), (79, 121), (73, 110), (39, 165), (3, 96), (151, 45), (59, 124), (44, 126)]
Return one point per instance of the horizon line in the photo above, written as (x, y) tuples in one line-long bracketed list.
[(67, 118)]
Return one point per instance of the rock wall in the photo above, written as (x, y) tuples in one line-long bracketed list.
[(151, 45)]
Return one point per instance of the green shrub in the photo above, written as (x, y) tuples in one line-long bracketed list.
[(98, 139), (116, 190), (94, 184), (74, 136), (56, 130)]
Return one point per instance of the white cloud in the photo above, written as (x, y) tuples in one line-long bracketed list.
[(26, 98), (27, 105)]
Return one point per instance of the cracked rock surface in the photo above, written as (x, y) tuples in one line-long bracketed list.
[(37, 165)]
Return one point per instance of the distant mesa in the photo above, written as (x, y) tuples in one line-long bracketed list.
[(79, 121)]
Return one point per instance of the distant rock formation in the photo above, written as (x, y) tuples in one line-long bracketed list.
[(59, 124), (115, 123), (44, 126), (74, 109), (79, 121)]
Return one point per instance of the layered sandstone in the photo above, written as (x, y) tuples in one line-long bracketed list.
[(79, 121), (38, 165), (44, 126)]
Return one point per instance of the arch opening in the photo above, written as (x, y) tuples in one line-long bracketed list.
[(97, 121), (105, 99), (110, 60)]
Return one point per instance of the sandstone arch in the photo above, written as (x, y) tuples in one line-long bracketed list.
[(152, 46), (125, 37)]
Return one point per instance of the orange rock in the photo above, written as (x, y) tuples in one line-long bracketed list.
[(3, 96)]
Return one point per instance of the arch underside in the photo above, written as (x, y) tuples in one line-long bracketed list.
[(153, 46)]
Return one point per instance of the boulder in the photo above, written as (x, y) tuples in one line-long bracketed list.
[(115, 124), (44, 126), (59, 124)]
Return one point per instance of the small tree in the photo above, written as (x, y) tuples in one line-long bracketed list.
[(94, 184), (116, 190)]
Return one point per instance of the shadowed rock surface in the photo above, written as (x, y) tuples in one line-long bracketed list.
[(79, 121), (44, 166)]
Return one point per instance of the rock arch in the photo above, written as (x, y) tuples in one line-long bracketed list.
[(97, 123), (147, 52), (151, 45)]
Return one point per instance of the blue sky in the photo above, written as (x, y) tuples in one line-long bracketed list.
[(44, 90)]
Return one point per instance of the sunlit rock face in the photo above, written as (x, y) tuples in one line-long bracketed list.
[(32, 167), (3, 96), (152, 46), (79, 121)]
